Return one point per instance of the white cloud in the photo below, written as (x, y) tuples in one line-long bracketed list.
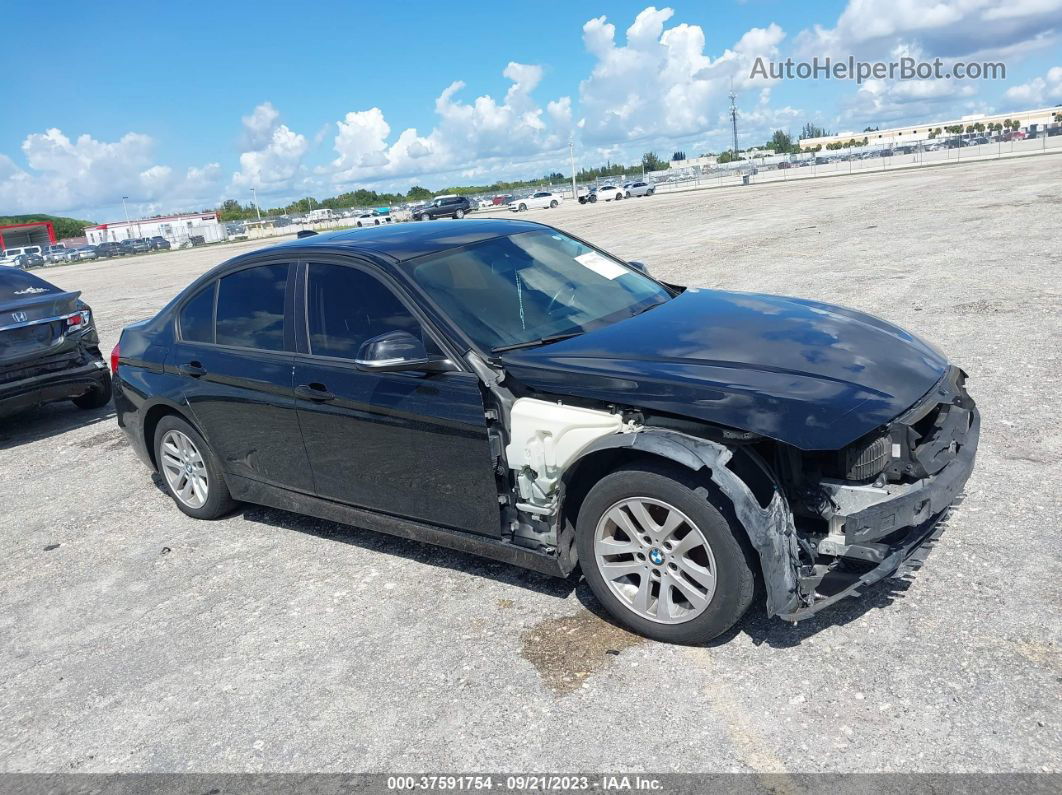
[(660, 82), (1039, 90), (469, 138), (273, 152), (64, 174), (885, 101), (948, 29)]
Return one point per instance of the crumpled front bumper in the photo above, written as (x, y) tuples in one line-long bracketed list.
[(890, 529)]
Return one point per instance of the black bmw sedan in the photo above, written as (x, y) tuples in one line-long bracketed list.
[(503, 388)]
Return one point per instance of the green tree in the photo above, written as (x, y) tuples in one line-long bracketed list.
[(781, 142), (679, 155), (650, 162), (64, 227), (418, 193), (812, 131)]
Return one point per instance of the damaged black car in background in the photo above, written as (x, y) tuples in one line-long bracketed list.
[(49, 348), (503, 388)]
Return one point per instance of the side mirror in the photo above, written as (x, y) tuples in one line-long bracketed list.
[(398, 350), (641, 267)]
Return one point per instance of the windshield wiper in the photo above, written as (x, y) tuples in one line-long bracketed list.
[(536, 343), (645, 309)]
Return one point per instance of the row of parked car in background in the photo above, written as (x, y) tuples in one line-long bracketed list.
[(609, 193), (27, 257)]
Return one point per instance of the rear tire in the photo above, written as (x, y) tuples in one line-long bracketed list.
[(199, 461), (553, 204), (97, 397), (459, 214), (709, 578)]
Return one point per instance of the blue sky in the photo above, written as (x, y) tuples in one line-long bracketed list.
[(179, 107)]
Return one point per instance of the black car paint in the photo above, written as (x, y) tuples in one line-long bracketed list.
[(42, 359), (410, 453), (811, 375), (247, 405)]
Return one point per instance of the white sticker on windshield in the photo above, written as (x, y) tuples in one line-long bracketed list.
[(602, 266)]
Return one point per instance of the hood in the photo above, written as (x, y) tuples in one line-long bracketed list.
[(809, 374)]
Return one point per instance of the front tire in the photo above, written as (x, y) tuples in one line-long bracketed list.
[(190, 470), (554, 204), (661, 555), (459, 214), (522, 208)]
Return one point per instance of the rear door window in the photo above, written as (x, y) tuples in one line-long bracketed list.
[(197, 316), (250, 308)]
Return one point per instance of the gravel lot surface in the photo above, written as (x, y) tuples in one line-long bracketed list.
[(133, 638)]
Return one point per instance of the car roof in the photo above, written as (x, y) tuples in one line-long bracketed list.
[(405, 241)]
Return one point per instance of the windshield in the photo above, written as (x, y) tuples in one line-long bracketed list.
[(532, 285)]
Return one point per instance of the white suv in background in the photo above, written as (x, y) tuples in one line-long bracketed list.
[(8, 256), (540, 200)]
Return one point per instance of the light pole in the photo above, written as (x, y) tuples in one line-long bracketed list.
[(257, 209), (128, 224), (571, 155)]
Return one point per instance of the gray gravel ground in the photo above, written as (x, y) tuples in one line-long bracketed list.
[(147, 641)]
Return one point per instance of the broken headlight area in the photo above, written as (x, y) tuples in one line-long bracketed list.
[(865, 523)]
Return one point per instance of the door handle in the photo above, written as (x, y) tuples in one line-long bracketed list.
[(194, 369), (315, 392)]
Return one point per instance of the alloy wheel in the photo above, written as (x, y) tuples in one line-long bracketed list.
[(655, 560), (184, 469)]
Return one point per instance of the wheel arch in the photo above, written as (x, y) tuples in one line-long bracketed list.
[(756, 498), (153, 416)]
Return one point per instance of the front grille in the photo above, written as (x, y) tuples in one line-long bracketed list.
[(865, 461)]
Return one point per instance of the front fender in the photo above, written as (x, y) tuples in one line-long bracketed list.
[(769, 529)]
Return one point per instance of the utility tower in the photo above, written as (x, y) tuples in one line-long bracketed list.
[(733, 118)]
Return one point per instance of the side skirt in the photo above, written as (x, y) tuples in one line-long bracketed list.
[(261, 494)]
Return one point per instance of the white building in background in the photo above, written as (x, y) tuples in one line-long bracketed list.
[(1028, 120), (178, 229)]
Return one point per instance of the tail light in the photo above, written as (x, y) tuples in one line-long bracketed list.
[(79, 321), (114, 360)]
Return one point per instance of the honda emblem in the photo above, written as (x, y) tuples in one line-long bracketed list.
[(19, 317)]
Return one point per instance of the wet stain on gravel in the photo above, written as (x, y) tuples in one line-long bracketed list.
[(109, 440), (567, 650)]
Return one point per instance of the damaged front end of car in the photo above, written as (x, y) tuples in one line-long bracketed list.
[(824, 524), (870, 511)]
